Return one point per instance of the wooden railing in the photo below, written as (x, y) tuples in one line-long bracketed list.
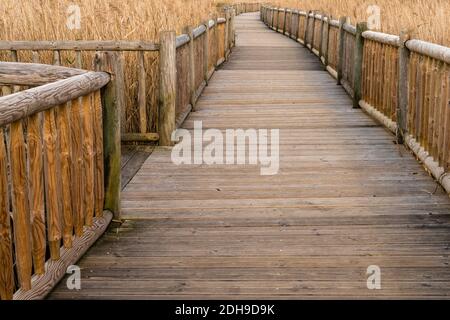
[(59, 170), (403, 83), (197, 55)]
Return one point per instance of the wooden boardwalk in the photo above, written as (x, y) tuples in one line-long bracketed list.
[(346, 197)]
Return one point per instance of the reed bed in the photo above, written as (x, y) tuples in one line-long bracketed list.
[(144, 19)]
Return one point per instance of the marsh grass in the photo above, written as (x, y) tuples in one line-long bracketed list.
[(144, 19)]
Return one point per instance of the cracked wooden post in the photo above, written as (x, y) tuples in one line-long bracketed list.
[(340, 65), (168, 87), (358, 62), (111, 104), (402, 106)]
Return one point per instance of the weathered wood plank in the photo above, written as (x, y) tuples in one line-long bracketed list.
[(6, 245), (20, 205)]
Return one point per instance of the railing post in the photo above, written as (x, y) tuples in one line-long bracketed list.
[(206, 52), (402, 106), (191, 76), (168, 85), (111, 105), (284, 20), (340, 65), (292, 24), (327, 41), (313, 30), (357, 70), (227, 15), (232, 28), (306, 29), (322, 26)]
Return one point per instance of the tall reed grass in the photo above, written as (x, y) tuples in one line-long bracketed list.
[(144, 19)]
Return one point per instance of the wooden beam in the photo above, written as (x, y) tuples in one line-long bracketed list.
[(402, 87), (168, 84), (140, 137), (111, 134), (26, 103), (142, 93), (83, 45), (341, 56), (358, 62)]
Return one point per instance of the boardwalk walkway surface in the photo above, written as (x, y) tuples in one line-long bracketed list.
[(346, 197)]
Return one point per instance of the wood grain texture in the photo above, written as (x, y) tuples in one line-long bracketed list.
[(6, 243), (64, 131), (53, 192), (23, 104), (88, 159), (346, 197), (77, 172), (20, 205), (36, 193), (99, 170)]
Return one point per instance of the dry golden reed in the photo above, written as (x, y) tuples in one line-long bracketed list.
[(144, 19)]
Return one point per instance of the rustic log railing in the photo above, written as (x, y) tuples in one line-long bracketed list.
[(197, 56), (403, 83), (58, 175)]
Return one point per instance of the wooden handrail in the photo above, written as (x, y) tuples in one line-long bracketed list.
[(26, 103), (82, 45), (32, 74), (431, 50)]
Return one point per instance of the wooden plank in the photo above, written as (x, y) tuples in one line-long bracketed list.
[(6, 245), (64, 132), (84, 45), (53, 192), (99, 183), (142, 94), (20, 205), (42, 285), (111, 136), (167, 88), (88, 159), (36, 187), (77, 172)]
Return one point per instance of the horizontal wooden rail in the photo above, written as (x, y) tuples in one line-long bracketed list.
[(82, 45), (26, 103), (403, 83), (389, 39), (430, 50), (33, 75)]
